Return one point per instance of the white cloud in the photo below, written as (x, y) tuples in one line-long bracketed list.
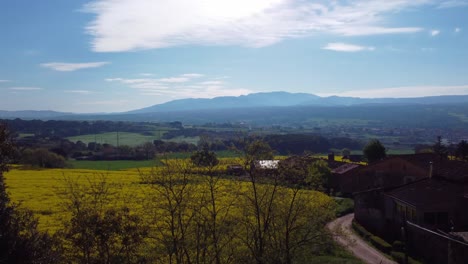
[(435, 32), (22, 88), (427, 49), (344, 47), (457, 30), (405, 92), (67, 67), (453, 3), (84, 92), (4, 81), (126, 25), (181, 86)]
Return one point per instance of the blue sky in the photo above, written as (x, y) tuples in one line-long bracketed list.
[(119, 55)]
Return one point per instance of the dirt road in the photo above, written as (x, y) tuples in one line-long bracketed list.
[(342, 233)]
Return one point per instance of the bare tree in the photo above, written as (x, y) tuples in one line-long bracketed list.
[(98, 230), (170, 203)]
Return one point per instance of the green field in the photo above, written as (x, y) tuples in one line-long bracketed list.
[(124, 138), (129, 139)]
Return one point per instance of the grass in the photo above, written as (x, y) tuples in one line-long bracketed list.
[(125, 138), (190, 140), (129, 139)]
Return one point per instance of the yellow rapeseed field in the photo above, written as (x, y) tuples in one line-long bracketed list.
[(38, 190)]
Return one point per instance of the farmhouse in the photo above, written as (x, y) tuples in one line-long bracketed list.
[(425, 195)]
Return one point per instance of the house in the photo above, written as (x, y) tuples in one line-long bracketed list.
[(427, 197), (341, 178)]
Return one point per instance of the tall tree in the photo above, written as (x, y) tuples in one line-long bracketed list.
[(20, 240), (462, 150), (439, 147), (374, 151), (204, 158), (318, 174), (6, 148)]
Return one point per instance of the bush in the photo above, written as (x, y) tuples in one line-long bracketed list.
[(400, 258), (380, 244), (398, 245), (361, 230), (345, 206), (42, 158)]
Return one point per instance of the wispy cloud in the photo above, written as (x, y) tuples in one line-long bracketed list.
[(181, 86), (453, 3), (25, 88), (457, 30), (4, 81), (84, 92), (68, 67), (345, 47), (405, 92), (435, 32), (146, 74), (236, 22)]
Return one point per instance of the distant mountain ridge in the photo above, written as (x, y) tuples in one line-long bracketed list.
[(32, 114), (250, 103), (284, 99)]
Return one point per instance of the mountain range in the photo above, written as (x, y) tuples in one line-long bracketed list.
[(285, 99), (263, 106)]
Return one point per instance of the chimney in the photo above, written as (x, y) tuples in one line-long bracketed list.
[(430, 170), (331, 156)]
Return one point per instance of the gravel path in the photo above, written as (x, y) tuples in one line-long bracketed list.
[(342, 233)]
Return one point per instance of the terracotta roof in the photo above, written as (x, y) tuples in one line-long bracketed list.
[(428, 193), (452, 170), (345, 168)]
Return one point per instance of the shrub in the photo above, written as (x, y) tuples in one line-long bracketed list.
[(42, 158), (380, 244), (400, 258), (398, 245), (345, 206), (361, 230)]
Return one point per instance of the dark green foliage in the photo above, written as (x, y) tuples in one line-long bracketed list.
[(258, 150), (361, 230), (344, 206), (400, 258), (42, 158), (204, 158), (374, 151), (439, 148), (380, 244), (318, 174), (298, 143), (462, 150), (377, 242), (398, 245), (7, 149), (20, 240)]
